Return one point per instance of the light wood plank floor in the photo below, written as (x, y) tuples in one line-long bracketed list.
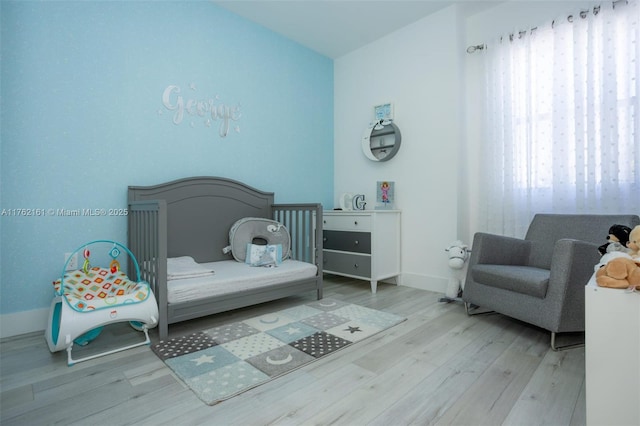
[(438, 367)]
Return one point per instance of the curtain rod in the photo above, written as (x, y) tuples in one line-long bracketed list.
[(583, 14)]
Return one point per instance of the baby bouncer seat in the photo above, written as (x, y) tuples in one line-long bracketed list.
[(91, 297)]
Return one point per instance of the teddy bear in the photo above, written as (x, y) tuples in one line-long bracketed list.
[(621, 269), (634, 242), (620, 272), (617, 239)]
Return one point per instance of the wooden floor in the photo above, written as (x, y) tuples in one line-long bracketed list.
[(438, 367)]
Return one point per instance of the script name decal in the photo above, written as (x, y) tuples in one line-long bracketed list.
[(209, 109)]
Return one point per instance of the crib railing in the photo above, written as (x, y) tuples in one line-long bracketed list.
[(147, 239), (304, 222)]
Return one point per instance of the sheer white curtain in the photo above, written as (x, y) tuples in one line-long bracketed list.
[(563, 119)]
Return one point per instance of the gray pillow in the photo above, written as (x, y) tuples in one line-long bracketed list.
[(257, 230)]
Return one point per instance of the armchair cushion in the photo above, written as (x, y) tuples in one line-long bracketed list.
[(521, 279)]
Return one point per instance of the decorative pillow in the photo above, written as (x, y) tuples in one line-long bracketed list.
[(264, 255), (258, 231)]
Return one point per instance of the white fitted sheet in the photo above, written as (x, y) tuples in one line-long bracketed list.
[(231, 276)]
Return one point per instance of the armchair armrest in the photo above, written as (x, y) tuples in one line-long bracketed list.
[(571, 267), (499, 250), (573, 262)]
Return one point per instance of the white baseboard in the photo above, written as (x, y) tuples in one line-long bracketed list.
[(23, 322), (424, 282)]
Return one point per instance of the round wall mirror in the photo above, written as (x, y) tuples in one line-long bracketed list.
[(381, 141)]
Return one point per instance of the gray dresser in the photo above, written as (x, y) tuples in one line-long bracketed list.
[(363, 244)]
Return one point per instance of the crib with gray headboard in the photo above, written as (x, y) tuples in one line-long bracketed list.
[(192, 217)]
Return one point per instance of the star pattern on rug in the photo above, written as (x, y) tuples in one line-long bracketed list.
[(203, 359), (353, 329)]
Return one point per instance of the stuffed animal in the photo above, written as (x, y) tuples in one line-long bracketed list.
[(620, 272), (458, 254), (634, 242), (617, 239)]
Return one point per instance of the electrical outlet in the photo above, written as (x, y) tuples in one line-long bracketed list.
[(73, 262)]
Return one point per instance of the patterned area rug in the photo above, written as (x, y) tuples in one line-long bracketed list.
[(227, 360)]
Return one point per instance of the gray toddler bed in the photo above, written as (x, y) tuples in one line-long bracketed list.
[(192, 217)]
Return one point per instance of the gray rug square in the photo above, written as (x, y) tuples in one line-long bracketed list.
[(183, 345), (324, 320), (320, 344), (280, 360), (228, 332)]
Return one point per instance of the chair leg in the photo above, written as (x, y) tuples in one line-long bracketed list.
[(470, 309), (557, 348)]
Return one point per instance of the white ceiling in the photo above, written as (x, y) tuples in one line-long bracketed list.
[(336, 27)]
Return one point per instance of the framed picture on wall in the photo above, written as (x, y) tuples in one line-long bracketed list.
[(385, 194), (384, 112)]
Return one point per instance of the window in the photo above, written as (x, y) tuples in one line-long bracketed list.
[(562, 125)]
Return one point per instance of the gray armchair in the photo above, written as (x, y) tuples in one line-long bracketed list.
[(539, 280)]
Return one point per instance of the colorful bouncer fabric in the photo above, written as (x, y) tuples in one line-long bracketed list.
[(100, 288)]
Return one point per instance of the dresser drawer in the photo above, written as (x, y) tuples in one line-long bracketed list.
[(347, 222), (348, 264), (358, 242)]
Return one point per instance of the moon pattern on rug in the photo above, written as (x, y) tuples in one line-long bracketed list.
[(288, 359), (265, 321)]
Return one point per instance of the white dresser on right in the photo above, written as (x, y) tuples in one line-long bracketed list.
[(612, 356), (363, 244)]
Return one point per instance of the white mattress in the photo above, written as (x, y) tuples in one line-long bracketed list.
[(231, 276)]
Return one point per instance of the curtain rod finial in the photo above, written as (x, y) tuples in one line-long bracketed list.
[(472, 49)]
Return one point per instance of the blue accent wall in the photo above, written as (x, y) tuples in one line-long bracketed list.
[(83, 117)]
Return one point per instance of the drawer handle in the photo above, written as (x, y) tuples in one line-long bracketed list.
[(355, 265), (324, 239), (356, 242), (355, 222)]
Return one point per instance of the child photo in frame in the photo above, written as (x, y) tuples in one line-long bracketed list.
[(385, 193)]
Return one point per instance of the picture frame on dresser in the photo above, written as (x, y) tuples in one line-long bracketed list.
[(362, 244)]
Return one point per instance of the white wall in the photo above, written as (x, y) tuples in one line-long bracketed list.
[(418, 69)]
